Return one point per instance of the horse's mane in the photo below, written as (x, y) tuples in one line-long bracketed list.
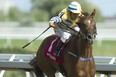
[(83, 16), (85, 13)]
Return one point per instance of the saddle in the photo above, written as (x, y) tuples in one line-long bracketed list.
[(50, 49)]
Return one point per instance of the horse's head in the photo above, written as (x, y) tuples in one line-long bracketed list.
[(88, 27)]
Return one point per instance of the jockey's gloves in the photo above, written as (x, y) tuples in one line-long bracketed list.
[(55, 19), (77, 29), (51, 23)]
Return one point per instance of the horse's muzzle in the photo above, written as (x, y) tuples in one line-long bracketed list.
[(90, 38)]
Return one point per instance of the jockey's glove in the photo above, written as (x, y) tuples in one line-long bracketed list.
[(55, 19), (77, 29)]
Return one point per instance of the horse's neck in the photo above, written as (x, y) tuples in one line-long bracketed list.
[(85, 49), (82, 48)]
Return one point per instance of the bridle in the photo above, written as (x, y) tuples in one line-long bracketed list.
[(84, 34)]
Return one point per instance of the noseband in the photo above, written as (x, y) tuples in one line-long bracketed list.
[(88, 37)]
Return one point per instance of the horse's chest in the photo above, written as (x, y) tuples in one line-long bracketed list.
[(85, 68)]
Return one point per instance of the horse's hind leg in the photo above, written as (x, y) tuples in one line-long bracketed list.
[(49, 71), (50, 74), (38, 72)]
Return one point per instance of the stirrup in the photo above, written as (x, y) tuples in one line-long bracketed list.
[(57, 53)]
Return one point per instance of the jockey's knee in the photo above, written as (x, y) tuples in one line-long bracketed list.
[(63, 39), (65, 36)]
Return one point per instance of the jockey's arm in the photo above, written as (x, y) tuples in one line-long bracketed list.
[(76, 27), (54, 20)]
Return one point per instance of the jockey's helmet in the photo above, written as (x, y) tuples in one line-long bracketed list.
[(74, 7)]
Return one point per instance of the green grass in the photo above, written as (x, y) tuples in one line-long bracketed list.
[(107, 48), (15, 73), (17, 45)]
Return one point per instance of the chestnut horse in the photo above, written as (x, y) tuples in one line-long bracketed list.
[(78, 60)]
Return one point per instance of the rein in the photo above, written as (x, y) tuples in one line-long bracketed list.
[(84, 36), (79, 57)]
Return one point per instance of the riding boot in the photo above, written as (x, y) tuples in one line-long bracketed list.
[(58, 48)]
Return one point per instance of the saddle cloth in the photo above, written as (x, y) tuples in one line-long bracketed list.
[(50, 48)]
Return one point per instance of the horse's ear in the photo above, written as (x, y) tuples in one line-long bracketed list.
[(93, 13)]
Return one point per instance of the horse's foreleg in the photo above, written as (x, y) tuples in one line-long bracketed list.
[(93, 73)]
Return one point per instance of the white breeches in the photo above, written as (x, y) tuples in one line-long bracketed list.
[(64, 34)]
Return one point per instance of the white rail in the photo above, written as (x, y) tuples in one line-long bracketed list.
[(30, 33), (105, 65)]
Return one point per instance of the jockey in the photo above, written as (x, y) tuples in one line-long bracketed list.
[(68, 17)]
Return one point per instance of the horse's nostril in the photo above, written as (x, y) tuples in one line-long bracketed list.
[(89, 36), (90, 39)]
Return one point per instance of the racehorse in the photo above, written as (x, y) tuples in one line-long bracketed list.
[(78, 60)]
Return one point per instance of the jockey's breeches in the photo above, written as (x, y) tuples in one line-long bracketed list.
[(63, 33)]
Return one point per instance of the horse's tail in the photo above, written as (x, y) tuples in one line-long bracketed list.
[(38, 72)]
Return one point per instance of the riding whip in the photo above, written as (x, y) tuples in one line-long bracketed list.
[(35, 38)]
